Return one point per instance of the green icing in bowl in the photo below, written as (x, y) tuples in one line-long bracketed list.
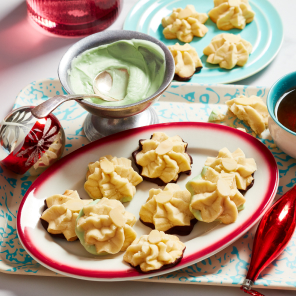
[(143, 60)]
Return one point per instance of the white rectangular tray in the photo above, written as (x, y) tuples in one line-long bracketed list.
[(181, 102)]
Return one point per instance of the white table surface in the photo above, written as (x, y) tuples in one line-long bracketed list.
[(27, 55)]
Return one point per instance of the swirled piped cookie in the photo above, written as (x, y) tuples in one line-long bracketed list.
[(161, 159), (113, 178), (229, 14), (237, 164), (252, 110), (104, 227), (215, 197), (187, 61), (228, 50), (184, 24), (168, 210), (61, 212), (154, 252)]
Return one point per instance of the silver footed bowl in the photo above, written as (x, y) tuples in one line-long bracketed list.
[(106, 120)]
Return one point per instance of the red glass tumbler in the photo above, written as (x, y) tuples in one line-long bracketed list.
[(73, 18)]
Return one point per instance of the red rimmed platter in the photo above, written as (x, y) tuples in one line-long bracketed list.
[(204, 139)]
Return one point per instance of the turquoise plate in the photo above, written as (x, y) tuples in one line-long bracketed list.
[(265, 34)]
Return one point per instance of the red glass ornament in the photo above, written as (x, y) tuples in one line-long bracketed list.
[(273, 234), (27, 142)]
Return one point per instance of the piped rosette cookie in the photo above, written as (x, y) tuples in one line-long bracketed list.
[(104, 227), (237, 164), (252, 110), (60, 214), (229, 14), (187, 61), (162, 159), (113, 178), (215, 197), (154, 252), (184, 24), (168, 210), (228, 50)]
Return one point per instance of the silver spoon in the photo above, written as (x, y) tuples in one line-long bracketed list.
[(102, 81)]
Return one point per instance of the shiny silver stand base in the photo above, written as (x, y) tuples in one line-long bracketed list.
[(96, 127)]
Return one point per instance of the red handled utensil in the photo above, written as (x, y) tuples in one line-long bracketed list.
[(273, 234)]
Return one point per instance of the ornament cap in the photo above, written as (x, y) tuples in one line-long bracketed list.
[(247, 284)]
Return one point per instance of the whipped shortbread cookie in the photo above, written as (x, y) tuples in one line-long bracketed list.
[(168, 210), (161, 159), (113, 178), (187, 61), (61, 212), (228, 50), (252, 110), (154, 252), (104, 227), (184, 24), (229, 14), (217, 193), (215, 197), (235, 163)]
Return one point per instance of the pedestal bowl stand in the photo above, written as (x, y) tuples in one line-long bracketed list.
[(106, 120)]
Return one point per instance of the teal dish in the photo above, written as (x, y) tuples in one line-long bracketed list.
[(277, 90), (284, 138), (265, 33)]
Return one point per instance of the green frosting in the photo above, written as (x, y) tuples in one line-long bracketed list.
[(196, 213), (215, 115), (203, 172), (126, 199), (143, 60), (198, 177), (80, 234)]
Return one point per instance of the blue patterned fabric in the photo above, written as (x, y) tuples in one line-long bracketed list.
[(181, 102)]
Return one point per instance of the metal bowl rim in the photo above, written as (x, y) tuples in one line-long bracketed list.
[(120, 32)]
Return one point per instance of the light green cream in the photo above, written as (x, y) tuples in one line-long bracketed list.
[(143, 60)]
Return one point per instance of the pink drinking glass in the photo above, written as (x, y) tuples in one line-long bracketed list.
[(72, 18)]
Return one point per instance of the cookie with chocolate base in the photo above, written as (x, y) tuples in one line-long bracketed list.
[(164, 267), (162, 159), (168, 210), (178, 230), (179, 78), (243, 192), (45, 225), (59, 214), (167, 251)]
